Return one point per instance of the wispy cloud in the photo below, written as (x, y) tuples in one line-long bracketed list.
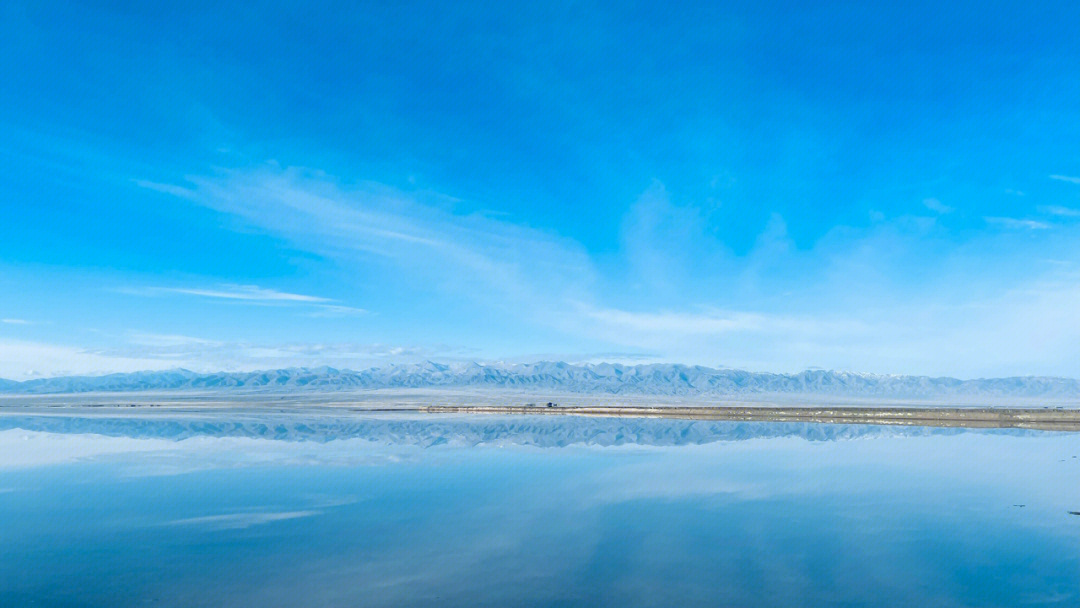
[(24, 360), (21, 360), (756, 337), (1066, 178), (1060, 211), (333, 311), (678, 322), (16, 321), (170, 189), (936, 206), (1016, 223), (715, 322), (664, 243), (844, 301), (151, 339), (471, 255), (212, 355), (317, 307), (230, 292)]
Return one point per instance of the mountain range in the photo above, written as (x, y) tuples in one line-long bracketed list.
[(603, 378)]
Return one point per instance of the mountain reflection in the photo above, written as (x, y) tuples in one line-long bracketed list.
[(429, 430)]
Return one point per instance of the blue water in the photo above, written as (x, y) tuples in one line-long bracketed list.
[(286, 510)]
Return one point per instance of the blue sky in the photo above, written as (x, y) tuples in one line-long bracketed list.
[(768, 186)]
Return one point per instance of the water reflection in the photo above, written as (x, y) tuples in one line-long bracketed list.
[(400, 511), (432, 430)]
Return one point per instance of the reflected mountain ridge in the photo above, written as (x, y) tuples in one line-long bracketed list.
[(429, 431)]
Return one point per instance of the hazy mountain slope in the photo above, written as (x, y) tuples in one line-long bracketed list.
[(656, 379)]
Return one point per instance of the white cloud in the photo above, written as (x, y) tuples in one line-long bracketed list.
[(1060, 211), (16, 321), (151, 339), (22, 360), (1017, 224), (172, 189), (1025, 331), (1066, 178), (318, 307), (715, 322), (898, 295), (676, 322), (333, 311), (936, 206), (754, 340), (412, 239), (25, 360), (230, 292), (664, 244), (209, 355)]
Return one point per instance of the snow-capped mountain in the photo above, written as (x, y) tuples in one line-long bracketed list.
[(603, 378)]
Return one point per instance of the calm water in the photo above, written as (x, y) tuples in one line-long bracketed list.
[(281, 510)]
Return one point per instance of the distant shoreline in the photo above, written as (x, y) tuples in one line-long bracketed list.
[(1048, 418), (1026, 418)]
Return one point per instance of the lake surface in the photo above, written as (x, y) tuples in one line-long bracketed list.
[(261, 509)]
